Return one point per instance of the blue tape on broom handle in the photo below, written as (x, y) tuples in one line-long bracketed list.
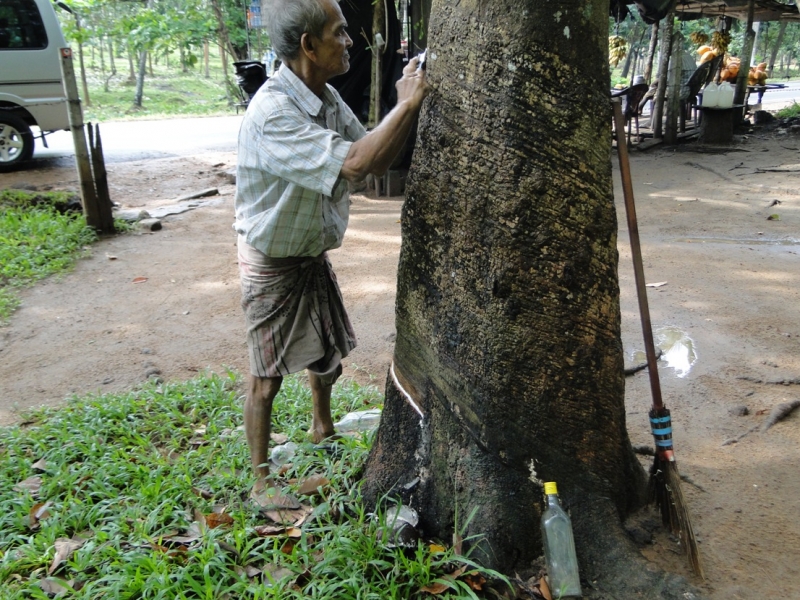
[(664, 443), (662, 431), (655, 420)]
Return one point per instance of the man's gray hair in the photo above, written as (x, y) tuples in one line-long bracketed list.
[(288, 20)]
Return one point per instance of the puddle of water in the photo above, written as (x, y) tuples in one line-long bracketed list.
[(759, 242), (677, 347)]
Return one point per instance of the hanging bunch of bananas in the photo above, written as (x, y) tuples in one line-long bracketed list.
[(720, 41), (617, 49), (698, 37)]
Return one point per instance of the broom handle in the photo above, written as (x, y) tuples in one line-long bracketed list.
[(636, 251)]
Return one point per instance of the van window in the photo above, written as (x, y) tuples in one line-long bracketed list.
[(21, 25)]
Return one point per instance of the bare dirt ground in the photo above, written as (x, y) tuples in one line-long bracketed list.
[(727, 310)]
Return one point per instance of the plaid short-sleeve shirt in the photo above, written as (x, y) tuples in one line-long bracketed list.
[(290, 197)]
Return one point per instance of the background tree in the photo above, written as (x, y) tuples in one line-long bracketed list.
[(508, 318)]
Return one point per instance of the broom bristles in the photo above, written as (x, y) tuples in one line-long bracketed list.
[(665, 491)]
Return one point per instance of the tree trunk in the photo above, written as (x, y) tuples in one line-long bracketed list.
[(674, 89), (651, 53), (111, 61), (663, 65), (225, 80), (378, 18), (633, 43), (137, 100), (205, 58), (754, 47), (776, 47), (744, 68), (131, 71), (507, 311)]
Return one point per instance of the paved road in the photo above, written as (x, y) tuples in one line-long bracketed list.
[(135, 140), (777, 99)]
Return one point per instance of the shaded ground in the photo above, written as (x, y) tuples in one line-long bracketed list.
[(730, 300)]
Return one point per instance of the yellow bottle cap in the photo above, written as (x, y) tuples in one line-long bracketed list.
[(550, 488)]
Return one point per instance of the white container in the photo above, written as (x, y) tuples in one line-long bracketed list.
[(725, 95), (711, 96)]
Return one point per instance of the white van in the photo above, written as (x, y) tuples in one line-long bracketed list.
[(31, 91)]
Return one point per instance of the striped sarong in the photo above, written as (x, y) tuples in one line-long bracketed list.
[(294, 313)]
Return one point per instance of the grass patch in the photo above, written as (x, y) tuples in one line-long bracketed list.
[(790, 111), (132, 479), (168, 91), (39, 236)]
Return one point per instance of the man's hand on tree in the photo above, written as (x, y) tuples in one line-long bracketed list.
[(413, 86)]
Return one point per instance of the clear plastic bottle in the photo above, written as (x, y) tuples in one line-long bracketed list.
[(559, 547)]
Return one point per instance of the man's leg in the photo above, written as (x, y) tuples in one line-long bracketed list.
[(321, 422), (257, 423)]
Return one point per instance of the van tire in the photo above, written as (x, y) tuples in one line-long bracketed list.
[(16, 142)]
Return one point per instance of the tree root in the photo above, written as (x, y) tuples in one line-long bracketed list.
[(789, 381), (641, 366), (780, 412)]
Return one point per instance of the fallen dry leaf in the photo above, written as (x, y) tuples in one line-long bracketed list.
[(289, 517), (56, 586), (457, 543), (64, 549), (193, 533), (275, 573), (214, 520), (39, 465), (545, 589), (656, 285), (288, 546), (435, 548), (294, 532), (435, 588), (202, 493), (37, 513), (310, 486), (275, 499), (279, 438), (268, 530), (139, 279), (475, 580), (32, 485)]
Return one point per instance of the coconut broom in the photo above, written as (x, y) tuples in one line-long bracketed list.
[(665, 481)]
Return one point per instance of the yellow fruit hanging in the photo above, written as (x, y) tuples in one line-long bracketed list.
[(703, 49), (720, 41), (617, 49), (698, 37)]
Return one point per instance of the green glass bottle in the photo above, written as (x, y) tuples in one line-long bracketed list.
[(559, 547)]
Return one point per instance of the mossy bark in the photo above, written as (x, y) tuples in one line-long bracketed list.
[(508, 318)]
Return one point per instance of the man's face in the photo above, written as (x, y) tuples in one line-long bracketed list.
[(332, 55)]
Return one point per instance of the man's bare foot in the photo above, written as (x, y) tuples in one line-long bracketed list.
[(321, 436)]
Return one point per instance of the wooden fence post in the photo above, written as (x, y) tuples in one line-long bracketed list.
[(97, 215)]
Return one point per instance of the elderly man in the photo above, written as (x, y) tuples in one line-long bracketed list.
[(299, 145)]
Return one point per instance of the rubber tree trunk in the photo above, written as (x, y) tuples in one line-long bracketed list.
[(378, 19), (139, 94), (507, 311), (633, 44), (776, 47), (674, 89), (651, 53), (663, 66), (744, 68)]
